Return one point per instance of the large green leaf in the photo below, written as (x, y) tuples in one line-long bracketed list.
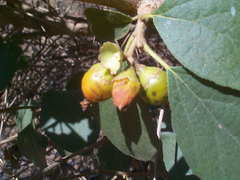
[(9, 53), (133, 132), (64, 121), (206, 120), (33, 146), (107, 24), (204, 35), (109, 157)]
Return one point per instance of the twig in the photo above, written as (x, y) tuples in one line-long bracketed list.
[(97, 144), (36, 19), (109, 172), (160, 119), (1, 129), (7, 110), (136, 40), (12, 138), (158, 158), (130, 51)]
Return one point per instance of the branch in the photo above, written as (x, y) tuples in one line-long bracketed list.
[(51, 23), (95, 145), (110, 172), (12, 138), (47, 23), (125, 6), (7, 110)]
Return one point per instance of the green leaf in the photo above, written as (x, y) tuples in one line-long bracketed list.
[(204, 35), (173, 159), (33, 146), (133, 132), (111, 158), (111, 56), (64, 121), (9, 54), (206, 120), (109, 25), (25, 116)]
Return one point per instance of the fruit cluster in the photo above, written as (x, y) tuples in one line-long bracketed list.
[(100, 82)]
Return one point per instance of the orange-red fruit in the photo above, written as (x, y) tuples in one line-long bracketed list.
[(125, 88), (153, 84), (97, 83)]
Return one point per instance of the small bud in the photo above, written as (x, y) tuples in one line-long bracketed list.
[(97, 83), (153, 84), (125, 88)]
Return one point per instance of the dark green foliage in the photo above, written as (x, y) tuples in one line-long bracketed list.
[(64, 121), (33, 146), (111, 158), (9, 53), (108, 25)]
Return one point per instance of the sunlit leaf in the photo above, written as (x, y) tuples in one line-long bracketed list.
[(206, 120), (133, 132), (204, 35)]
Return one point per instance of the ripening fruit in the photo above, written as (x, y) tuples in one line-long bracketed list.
[(154, 84), (97, 83), (125, 88)]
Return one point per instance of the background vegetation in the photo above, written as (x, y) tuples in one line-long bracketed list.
[(45, 48)]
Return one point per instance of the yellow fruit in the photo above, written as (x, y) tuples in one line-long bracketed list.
[(97, 83)]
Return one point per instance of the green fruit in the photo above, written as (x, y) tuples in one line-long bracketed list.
[(153, 82), (97, 83)]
